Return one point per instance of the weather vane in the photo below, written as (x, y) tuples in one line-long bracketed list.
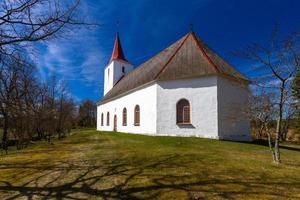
[(191, 27), (117, 25)]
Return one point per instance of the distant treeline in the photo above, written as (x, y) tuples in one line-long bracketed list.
[(32, 109), (290, 132)]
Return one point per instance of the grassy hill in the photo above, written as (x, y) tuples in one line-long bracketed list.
[(94, 165)]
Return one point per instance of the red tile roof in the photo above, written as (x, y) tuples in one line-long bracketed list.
[(189, 57), (117, 53)]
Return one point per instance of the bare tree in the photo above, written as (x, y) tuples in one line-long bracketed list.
[(262, 112), (15, 81), (87, 114), (35, 20), (66, 110), (296, 95), (27, 105), (276, 65)]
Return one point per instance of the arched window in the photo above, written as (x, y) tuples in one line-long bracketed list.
[(124, 117), (137, 115), (183, 112), (107, 119), (101, 119)]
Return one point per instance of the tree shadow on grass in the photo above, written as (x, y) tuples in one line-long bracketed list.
[(132, 178)]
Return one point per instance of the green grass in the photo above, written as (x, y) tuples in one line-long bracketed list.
[(95, 165)]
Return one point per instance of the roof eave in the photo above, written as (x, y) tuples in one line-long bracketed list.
[(228, 76), (101, 102)]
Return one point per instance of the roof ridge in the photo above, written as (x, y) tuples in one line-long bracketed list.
[(203, 45), (171, 58), (205, 54)]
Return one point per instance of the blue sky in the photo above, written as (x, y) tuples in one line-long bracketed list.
[(148, 26)]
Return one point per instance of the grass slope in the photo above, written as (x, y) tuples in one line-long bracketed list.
[(94, 165)]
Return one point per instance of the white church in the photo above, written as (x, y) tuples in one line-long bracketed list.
[(185, 90)]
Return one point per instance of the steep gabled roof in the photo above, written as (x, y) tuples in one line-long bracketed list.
[(117, 53), (187, 58)]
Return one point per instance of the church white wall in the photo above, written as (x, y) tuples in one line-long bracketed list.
[(232, 108), (218, 107), (145, 98), (202, 95)]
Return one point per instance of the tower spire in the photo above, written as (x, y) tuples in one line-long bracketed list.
[(191, 27), (117, 53)]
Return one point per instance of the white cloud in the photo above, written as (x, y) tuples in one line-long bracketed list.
[(91, 67), (77, 59)]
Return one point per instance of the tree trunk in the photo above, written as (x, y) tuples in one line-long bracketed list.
[(279, 125), (260, 133), (285, 130), (277, 140), (5, 134), (49, 138), (270, 143)]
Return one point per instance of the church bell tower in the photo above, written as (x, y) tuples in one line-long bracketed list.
[(117, 68)]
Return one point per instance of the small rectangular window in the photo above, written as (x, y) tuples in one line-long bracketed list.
[(108, 76)]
